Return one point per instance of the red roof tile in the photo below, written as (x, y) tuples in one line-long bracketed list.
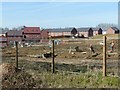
[(32, 30), (14, 33)]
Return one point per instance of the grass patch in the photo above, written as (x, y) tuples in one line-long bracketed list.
[(73, 80), (38, 74), (109, 36)]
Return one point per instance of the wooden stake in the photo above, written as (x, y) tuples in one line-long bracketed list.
[(70, 50), (104, 55), (16, 44), (53, 66)]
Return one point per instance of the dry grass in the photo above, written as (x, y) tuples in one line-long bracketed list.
[(109, 36), (19, 79), (71, 69), (33, 76)]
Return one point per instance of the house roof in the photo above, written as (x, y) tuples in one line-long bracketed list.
[(86, 29), (95, 29), (44, 30), (115, 28), (83, 29), (60, 30), (14, 33), (34, 30)]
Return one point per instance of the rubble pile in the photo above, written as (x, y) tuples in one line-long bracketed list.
[(20, 79)]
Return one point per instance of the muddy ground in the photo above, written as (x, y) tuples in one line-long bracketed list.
[(67, 60), (67, 50), (67, 54)]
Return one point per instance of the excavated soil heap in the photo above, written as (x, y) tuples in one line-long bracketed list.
[(19, 79)]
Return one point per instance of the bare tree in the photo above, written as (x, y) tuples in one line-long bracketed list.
[(105, 26)]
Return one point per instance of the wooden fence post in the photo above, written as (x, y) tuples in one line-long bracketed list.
[(104, 55), (53, 66), (16, 44)]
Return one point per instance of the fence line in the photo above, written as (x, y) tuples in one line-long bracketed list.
[(53, 51)]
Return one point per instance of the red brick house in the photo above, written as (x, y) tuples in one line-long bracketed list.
[(97, 31), (44, 34), (59, 32), (3, 41), (74, 32), (31, 34), (112, 30), (67, 32), (90, 32), (14, 35), (86, 32)]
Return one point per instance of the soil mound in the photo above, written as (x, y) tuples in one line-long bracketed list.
[(7, 68), (19, 79)]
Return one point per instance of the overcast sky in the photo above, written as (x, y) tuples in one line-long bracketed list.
[(58, 14)]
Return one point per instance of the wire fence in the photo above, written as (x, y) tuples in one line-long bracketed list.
[(68, 55)]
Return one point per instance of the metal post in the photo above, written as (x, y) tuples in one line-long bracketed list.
[(104, 55), (53, 66), (16, 44)]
